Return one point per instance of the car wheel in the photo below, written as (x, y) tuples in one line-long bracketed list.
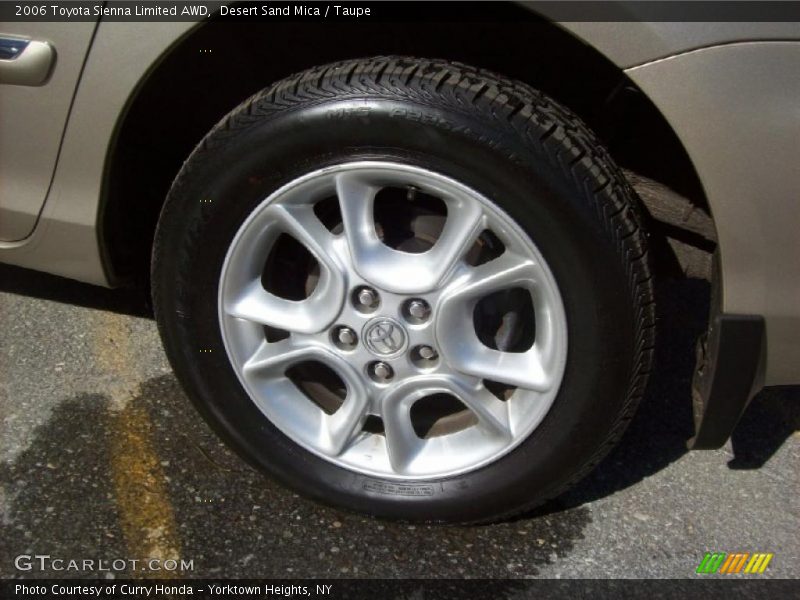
[(407, 287)]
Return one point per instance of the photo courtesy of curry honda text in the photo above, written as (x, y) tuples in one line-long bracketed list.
[(409, 268)]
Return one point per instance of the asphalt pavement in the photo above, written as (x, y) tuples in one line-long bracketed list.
[(103, 456)]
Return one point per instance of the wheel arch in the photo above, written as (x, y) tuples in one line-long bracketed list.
[(210, 68)]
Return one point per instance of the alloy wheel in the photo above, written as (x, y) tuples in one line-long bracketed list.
[(392, 320)]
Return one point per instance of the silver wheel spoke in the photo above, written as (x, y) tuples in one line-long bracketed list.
[(356, 202), (330, 433), (272, 359), (316, 312), (401, 439), (532, 370), (343, 426), (492, 414), (405, 446), (506, 271), (394, 270), (301, 223), (523, 370), (256, 304), (463, 225)]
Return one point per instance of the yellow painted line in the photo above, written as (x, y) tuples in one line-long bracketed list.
[(114, 355), (145, 513)]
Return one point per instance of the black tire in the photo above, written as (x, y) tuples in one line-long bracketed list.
[(516, 146)]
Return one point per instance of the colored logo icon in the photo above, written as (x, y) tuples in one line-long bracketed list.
[(740, 562)]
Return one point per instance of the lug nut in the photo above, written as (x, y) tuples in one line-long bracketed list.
[(427, 352), (366, 298), (419, 309), (345, 337), (424, 356), (382, 372)]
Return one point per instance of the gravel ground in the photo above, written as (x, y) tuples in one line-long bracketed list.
[(102, 456)]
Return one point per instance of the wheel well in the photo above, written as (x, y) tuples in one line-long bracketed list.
[(219, 64)]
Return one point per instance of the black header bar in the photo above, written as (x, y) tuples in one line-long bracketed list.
[(410, 11)]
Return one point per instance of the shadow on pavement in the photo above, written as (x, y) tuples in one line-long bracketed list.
[(133, 301), (152, 479), (772, 417)]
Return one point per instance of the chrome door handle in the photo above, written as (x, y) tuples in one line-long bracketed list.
[(25, 62)]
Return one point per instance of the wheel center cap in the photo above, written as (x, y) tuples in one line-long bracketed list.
[(384, 336)]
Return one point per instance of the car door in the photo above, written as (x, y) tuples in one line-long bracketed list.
[(40, 65)]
